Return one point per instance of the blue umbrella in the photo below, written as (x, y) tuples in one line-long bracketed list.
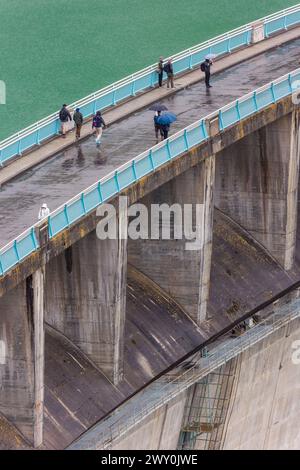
[(166, 119)]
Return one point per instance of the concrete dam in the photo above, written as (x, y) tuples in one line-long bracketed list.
[(140, 343)]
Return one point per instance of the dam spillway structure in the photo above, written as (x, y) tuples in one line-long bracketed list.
[(137, 342)]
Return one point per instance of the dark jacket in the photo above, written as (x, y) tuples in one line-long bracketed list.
[(78, 118), (207, 67), (98, 121), (64, 115), (168, 68), (160, 67)]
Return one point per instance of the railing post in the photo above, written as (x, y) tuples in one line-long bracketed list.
[(204, 130), (273, 92), (1, 163), (100, 192), (168, 149), (248, 38), (16, 250), (191, 61), (19, 148), (82, 203), (290, 85), (151, 160), (1, 267), (38, 137), (32, 233), (50, 231), (221, 123), (237, 105), (134, 170), (255, 101), (66, 213), (228, 46), (133, 88), (114, 98), (186, 139), (266, 30), (117, 181)]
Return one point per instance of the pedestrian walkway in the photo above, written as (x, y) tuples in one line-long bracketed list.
[(74, 169)]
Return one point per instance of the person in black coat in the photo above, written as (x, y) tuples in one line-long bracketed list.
[(207, 65), (64, 117), (98, 124), (160, 71), (168, 68)]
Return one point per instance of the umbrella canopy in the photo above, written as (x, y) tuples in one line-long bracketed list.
[(166, 119), (158, 107), (210, 56)]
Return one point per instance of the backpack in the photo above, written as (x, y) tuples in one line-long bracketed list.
[(63, 115), (202, 67)]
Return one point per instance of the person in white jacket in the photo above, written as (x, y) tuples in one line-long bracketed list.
[(44, 211)]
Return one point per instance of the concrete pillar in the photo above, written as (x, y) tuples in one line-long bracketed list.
[(257, 185), (22, 358), (183, 273), (258, 32), (86, 298)]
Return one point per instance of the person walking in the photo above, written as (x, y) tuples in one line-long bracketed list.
[(78, 119), (168, 68), (160, 71), (157, 127), (206, 66), (43, 212), (64, 116), (98, 124)]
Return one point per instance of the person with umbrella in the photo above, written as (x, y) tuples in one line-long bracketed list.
[(158, 108), (164, 122)]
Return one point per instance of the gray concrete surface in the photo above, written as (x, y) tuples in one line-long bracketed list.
[(160, 431), (182, 271), (86, 299), (265, 415), (22, 374), (257, 185)]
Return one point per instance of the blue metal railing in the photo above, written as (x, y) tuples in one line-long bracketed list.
[(146, 163), (145, 79)]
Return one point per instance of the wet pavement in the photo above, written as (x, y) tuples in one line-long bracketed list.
[(69, 172)]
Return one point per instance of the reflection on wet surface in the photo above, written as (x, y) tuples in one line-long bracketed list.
[(63, 176)]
